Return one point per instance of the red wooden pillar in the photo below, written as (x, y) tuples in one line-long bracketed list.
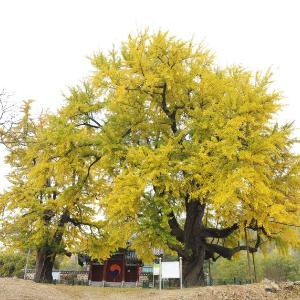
[(104, 273), (90, 271), (124, 269), (138, 270)]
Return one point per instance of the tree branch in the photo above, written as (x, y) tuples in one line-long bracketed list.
[(229, 252), (95, 121), (88, 124), (80, 223), (218, 233), (178, 250), (286, 224), (90, 166), (175, 228), (171, 115)]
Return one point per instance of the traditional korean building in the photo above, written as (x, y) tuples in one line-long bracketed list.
[(122, 268)]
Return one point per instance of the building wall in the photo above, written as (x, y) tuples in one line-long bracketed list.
[(96, 272), (62, 276), (114, 269)]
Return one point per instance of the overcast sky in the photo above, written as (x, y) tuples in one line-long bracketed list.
[(45, 44)]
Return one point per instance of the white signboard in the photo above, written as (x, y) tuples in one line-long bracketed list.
[(56, 275), (156, 269), (170, 269)]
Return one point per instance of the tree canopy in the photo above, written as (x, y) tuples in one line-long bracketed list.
[(48, 207), (160, 148)]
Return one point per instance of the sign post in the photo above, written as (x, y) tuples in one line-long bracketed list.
[(160, 270), (180, 271), (167, 270)]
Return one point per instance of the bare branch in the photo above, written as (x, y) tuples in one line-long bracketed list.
[(90, 166), (88, 124), (229, 252), (218, 233)]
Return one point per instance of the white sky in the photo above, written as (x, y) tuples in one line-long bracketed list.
[(44, 44)]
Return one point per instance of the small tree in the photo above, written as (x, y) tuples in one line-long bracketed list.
[(12, 263), (273, 265), (281, 267), (49, 207)]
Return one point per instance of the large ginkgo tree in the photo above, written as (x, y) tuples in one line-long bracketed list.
[(195, 159)]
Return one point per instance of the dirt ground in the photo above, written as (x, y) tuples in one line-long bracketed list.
[(18, 289)]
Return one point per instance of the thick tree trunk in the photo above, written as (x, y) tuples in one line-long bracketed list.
[(44, 264), (194, 244), (193, 271)]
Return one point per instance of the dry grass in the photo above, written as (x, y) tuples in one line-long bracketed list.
[(18, 289)]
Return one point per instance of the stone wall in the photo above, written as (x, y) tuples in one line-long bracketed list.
[(67, 277)]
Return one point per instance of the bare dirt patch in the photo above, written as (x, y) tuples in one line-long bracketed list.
[(18, 289)]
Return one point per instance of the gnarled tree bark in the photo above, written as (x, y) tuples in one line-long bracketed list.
[(44, 265), (193, 245), (46, 254)]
